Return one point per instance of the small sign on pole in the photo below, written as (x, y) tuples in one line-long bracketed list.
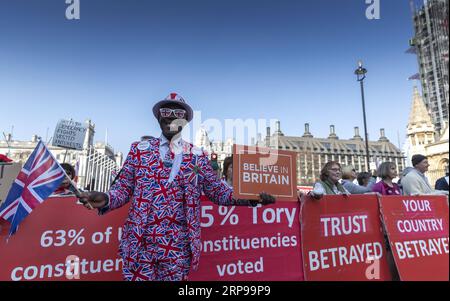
[(257, 170), (69, 134), (8, 173)]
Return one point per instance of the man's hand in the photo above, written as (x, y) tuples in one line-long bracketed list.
[(93, 199), (266, 199), (300, 194), (315, 195)]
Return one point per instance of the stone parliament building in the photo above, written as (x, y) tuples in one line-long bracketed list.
[(313, 152)]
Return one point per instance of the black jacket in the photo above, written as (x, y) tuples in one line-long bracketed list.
[(441, 184)]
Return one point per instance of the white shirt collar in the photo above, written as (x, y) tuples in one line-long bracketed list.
[(176, 143), (163, 140)]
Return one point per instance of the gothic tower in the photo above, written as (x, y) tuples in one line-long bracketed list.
[(420, 128)]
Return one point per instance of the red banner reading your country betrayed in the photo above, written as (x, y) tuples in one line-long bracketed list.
[(418, 233)]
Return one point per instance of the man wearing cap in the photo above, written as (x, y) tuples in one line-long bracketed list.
[(415, 182), (164, 178)]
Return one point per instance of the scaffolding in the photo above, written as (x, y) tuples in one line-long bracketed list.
[(430, 43)]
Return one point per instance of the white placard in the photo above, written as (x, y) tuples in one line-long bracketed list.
[(69, 134), (8, 173)]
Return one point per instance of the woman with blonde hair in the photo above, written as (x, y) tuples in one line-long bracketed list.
[(348, 176), (387, 171)]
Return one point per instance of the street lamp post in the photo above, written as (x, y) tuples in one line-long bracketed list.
[(361, 75)]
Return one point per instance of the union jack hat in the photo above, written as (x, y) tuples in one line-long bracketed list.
[(176, 99)]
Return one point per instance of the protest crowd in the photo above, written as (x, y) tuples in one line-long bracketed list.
[(166, 177)]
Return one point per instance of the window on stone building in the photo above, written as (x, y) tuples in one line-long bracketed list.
[(317, 167), (349, 159), (421, 139), (352, 146)]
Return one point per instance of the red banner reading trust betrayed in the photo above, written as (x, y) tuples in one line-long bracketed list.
[(342, 239), (418, 233)]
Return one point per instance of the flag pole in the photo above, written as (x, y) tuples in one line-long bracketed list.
[(65, 154)]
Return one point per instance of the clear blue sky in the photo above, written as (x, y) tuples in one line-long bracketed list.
[(288, 60)]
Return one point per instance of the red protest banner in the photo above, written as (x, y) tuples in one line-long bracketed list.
[(257, 169), (417, 227), (250, 243), (61, 240), (342, 239)]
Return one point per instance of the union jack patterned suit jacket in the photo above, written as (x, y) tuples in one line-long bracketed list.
[(143, 180)]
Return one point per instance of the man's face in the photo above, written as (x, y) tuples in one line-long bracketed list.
[(354, 175), (171, 125), (422, 166), (66, 183)]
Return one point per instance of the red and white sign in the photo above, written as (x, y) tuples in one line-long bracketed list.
[(61, 240), (257, 169), (250, 243), (418, 233), (342, 239)]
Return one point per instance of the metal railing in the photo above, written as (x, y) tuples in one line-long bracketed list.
[(99, 172)]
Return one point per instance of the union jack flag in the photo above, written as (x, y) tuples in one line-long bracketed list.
[(38, 179)]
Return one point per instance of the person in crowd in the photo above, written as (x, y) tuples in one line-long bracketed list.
[(228, 170), (442, 183), (65, 186), (387, 171), (348, 176), (4, 159), (227, 179), (415, 182), (363, 178), (329, 181), (215, 166), (164, 178), (402, 175), (374, 178)]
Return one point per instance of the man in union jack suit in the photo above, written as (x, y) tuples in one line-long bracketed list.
[(164, 179)]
